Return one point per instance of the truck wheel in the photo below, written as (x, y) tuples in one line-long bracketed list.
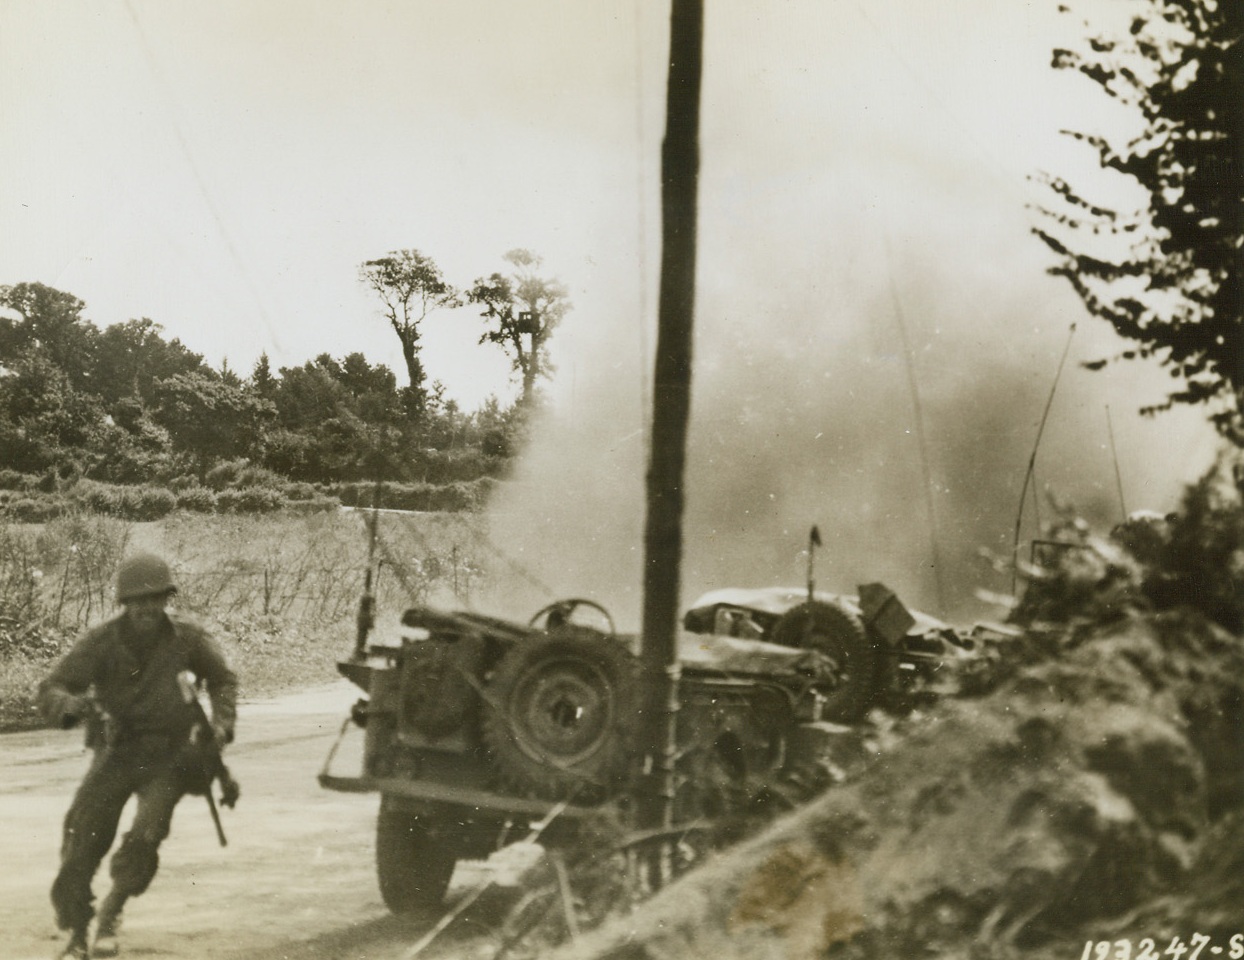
[(560, 712), (840, 635), (413, 866)]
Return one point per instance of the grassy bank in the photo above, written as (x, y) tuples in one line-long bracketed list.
[(278, 591)]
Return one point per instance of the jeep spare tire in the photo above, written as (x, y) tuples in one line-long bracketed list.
[(558, 716), (841, 636)]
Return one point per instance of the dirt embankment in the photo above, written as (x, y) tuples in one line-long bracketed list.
[(1087, 788), (1071, 803)]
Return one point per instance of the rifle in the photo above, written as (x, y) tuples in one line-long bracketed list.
[(211, 762), (366, 618)]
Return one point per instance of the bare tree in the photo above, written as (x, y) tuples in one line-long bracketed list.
[(410, 286)]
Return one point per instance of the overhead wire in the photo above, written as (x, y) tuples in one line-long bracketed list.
[(641, 186), (162, 83), (918, 81)]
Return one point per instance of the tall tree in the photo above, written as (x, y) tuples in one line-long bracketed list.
[(262, 378), (131, 357), (1167, 276), (51, 321), (522, 309), (211, 418), (322, 388), (410, 286), (44, 421)]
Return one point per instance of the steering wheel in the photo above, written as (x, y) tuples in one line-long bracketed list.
[(559, 612)]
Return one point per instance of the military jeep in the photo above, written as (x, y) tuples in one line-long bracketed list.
[(479, 729)]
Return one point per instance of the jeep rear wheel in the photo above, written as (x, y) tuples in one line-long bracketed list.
[(560, 711), (839, 635), (413, 866)]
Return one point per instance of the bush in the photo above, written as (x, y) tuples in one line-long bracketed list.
[(256, 476), (99, 498), (126, 503), (242, 474), (126, 458), (460, 465), (55, 580), (1199, 560), (147, 503), (1193, 557), (225, 474), (483, 489), (49, 481), (197, 499), (317, 504), (36, 509), (249, 500), (16, 480), (299, 490), (418, 497), (293, 455), (259, 500)]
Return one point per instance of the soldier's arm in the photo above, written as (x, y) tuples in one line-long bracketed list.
[(209, 665), (61, 696)]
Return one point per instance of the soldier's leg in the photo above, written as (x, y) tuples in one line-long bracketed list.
[(135, 862), (89, 829)]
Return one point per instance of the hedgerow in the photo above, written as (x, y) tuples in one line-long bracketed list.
[(419, 497), (197, 500), (142, 503)]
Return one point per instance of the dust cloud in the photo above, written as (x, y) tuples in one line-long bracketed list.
[(803, 414)]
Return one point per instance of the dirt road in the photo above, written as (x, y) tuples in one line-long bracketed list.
[(296, 881)]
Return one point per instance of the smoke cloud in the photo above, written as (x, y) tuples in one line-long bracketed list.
[(802, 407)]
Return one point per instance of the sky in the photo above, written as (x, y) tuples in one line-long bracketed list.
[(223, 168)]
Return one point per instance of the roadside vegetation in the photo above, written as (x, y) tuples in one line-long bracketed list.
[(279, 591), (124, 422)]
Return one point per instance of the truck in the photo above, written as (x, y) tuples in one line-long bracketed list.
[(478, 730)]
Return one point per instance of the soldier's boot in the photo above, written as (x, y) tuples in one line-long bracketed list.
[(76, 948), (108, 926), (106, 944)]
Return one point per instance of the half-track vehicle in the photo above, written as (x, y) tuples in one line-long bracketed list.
[(479, 730)]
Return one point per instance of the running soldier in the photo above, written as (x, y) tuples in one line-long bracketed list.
[(132, 681)]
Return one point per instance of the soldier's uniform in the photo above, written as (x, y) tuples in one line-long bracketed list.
[(141, 737)]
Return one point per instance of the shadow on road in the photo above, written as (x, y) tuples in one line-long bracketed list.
[(390, 936)]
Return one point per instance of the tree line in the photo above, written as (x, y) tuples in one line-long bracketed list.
[(128, 405)]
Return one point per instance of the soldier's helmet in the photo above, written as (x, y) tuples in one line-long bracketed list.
[(143, 575)]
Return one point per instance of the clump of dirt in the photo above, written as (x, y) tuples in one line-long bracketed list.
[(1088, 788)]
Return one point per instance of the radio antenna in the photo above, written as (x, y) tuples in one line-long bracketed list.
[(814, 541), (1032, 462), (366, 618), (909, 361), (1114, 455)]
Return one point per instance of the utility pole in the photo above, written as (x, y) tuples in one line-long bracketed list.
[(680, 163)]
